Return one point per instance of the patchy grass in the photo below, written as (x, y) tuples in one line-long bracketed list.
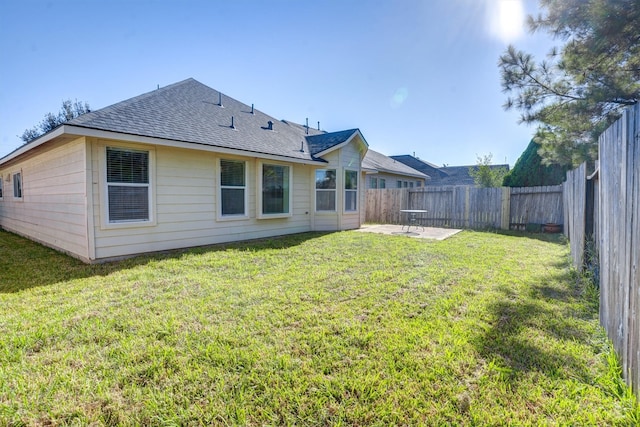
[(313, 329)]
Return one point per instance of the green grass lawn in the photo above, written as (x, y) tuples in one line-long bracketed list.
[(314, 329)]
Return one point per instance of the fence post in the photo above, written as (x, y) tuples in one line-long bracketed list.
[(506, 208)]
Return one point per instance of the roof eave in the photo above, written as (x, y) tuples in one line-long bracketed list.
[(33, 144), (141, 139)]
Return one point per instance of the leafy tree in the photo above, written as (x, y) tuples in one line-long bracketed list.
[(68, 111), (582, 87), (485, 175), (529, 170)]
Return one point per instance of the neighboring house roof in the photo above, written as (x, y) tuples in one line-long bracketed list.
[(434, 171), (191, 112), (446, 175), (378, 162), (459, 175)]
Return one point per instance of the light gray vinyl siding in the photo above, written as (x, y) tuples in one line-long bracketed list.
[(52, 209), (185, 185)]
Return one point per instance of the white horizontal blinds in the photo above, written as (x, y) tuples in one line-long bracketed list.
[(350, 190), (326, 190), (128, 185), (232, 187), (17, 185), (275, 189)]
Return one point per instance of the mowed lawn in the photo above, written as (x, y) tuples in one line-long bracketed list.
[(315, 329)]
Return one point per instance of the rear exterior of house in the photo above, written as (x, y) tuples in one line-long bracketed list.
[(114, 183)]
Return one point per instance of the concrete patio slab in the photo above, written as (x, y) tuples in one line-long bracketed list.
[(417, 232)]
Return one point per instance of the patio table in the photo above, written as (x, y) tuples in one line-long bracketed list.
[(411, 218)]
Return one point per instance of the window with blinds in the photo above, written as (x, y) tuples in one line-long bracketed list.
[(275, 189), (326, 190), (232, 187), (350, 190), (127, 185)]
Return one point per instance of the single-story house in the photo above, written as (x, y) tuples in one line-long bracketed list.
[(445, 175), (384, 172), (181, 166)]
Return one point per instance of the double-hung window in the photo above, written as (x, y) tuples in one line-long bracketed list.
[(276, 190), (373, 182), (326, 190), (128, 185), (233, 188), (17, 185), (383, 183), (350, 190)]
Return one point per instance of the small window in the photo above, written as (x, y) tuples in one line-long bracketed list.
[(418, 184), (405, 184), (382, 183), (399, 184), (326, 190), (17, 185), (233, 187), (373, 182), (411, 184), (128, 185), (350, 190), (275, 189)]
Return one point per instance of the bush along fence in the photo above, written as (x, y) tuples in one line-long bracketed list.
[(603, 225), (470, 207)]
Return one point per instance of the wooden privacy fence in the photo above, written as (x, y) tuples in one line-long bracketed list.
[(468, 207), (603, 216)]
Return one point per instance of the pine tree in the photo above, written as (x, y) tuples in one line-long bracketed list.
[(583, 86)]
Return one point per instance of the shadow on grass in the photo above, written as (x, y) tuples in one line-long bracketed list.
[(557, 238), (25, 264), (527, 332)]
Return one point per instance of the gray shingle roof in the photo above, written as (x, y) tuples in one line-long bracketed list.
[(322, 142), (459, 175), (189, 111), (434, 171), (381, 163)]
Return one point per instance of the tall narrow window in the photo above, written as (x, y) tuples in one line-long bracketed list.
[(275, 189), (373, 182), (350, 190), (17, 185), (326, 190), (232, 187), (383, 183), (128, 185)]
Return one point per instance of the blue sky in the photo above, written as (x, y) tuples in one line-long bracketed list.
[(415, 76)]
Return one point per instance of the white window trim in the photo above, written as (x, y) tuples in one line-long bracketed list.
[(357, 191), (104, 190), (262, 215), (13, 185), (219, 216), (335, 192)]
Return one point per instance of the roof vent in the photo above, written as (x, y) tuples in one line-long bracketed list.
[(232, 125), (252, 109), (220, 99), (307, 125), (318, 125), (302, 146), (270, 125)]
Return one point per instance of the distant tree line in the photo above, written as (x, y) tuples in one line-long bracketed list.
[(68, 111)]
